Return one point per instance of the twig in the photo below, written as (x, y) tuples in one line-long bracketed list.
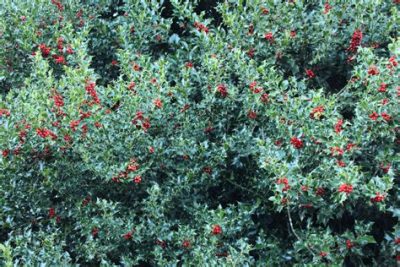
[(294, 232)]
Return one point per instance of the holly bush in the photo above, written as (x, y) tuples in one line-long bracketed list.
[(199, 133)]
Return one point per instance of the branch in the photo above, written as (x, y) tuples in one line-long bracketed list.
[(295, 234)]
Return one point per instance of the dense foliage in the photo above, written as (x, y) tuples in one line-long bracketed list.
[(199, 133)]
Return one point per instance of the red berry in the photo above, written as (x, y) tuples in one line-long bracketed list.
[(217, 229), (186, 244)]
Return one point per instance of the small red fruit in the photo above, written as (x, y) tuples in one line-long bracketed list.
[(217, 230)]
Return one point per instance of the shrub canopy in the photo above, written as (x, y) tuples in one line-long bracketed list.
[(199, 133)]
